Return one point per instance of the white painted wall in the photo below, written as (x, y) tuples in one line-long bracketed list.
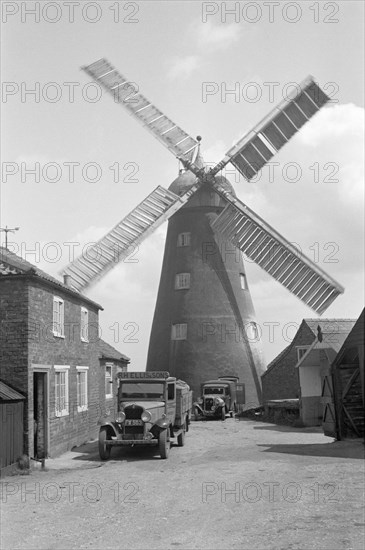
[(310, 381)]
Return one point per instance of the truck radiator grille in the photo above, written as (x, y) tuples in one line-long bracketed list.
[(209, 404), (133, 412)]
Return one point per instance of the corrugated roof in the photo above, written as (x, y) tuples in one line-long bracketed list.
[(11, 264), (355, 337), (8, 394), (108, 352), (330, 326)]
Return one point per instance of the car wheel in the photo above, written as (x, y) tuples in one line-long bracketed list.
[(223, 413), (104, 449), (164, 444)]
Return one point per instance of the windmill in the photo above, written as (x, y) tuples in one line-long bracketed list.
[(204, 323)]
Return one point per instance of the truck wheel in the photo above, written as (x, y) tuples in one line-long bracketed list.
[(196, 414), (223, 413), (104, 449), (187, 423), (181, 437), (164, 444)]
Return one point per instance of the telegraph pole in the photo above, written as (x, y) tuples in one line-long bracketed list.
[(7, 230)]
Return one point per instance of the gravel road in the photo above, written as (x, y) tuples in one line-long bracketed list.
[(235, 484)]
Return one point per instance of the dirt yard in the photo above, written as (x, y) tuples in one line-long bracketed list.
[(235, 484)]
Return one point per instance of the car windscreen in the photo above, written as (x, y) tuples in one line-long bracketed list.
[(141, 390), (213, 391)]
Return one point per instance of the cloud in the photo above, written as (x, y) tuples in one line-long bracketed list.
[(183, 67), (218, 37)]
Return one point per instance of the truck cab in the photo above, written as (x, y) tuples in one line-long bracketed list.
[(218, 398), (153, 409)]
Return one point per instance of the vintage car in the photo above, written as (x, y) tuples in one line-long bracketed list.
[(218, 398), (153, 410)]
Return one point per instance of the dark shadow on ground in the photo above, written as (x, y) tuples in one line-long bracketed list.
[(337, 449), (294, 429)]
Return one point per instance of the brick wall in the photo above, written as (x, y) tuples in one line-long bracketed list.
[(281, 380), (27, 344)]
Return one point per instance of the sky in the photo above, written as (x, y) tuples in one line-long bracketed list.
[(74, 163)]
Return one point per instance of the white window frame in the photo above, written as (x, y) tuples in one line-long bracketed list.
[(301, 349), (184, 239), (179, 331), (243, 281), (84, 324), (109, 379), (58, 317), (79, 372), (59, 369), (182, 281)]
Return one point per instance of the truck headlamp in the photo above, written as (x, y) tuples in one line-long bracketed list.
[(146, 416), (120, 417), (219, 401)]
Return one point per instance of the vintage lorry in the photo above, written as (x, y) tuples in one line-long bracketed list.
[(220, 397), (153, 410)]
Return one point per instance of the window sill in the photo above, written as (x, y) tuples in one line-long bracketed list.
[(57, 335), (63, 413), (82, 409)]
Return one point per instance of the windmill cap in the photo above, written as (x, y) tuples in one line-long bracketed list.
[(183, 183)]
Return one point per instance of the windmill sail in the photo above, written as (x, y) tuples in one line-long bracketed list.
[(257, 147), (121, 241), (126, 93), (277, 256)]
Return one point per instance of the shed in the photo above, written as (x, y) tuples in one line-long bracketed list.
[(343, 389), (12, 425)]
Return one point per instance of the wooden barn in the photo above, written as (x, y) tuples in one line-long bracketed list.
[(343, 388)]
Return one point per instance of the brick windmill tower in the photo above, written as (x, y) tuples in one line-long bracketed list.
[(204, 323)]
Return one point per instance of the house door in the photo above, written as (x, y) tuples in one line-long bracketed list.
[(40, 414), (329, 410)]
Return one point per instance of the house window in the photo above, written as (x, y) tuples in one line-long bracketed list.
[(183, 239), (179, 332), (108, 381), (82, 388), (301, 351), (58, 317), (61, 390), (243, 280), (182, 280), (84, 324)]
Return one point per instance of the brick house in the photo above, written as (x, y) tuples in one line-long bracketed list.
[(281, 379), (50, 351)]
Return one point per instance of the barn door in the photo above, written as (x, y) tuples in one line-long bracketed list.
[(329, 411), (351, 407)]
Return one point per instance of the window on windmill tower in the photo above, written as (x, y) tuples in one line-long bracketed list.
[(182, 280), (183, 239), (252, 332), (243, 280), (179, 332)]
